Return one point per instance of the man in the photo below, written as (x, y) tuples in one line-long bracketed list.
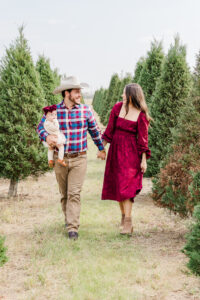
[(75, 119)]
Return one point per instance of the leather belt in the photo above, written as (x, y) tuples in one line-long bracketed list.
[(72, 155)]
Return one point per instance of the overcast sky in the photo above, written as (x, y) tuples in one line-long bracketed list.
[(92, 39)]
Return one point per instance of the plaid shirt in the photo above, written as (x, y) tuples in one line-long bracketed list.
[(74, 123)]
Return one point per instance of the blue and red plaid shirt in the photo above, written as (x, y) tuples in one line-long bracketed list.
[(74, 123)]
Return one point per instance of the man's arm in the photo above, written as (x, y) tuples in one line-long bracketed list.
[(94, 130), (43, 134), (41, 131)]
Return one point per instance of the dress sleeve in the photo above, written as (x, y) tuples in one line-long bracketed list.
[(108, 133), (142, 138)]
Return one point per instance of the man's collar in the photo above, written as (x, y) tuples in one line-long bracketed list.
[(64, 106)]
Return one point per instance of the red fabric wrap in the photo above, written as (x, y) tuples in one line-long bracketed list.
[(50, 108)]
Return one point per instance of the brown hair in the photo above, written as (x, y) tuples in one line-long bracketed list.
[(63, 92), (135, 96)]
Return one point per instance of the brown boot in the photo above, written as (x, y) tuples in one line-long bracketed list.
[(128, 228), (122, 222)]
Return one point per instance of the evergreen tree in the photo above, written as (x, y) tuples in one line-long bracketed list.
[(171, 91), (192, 247), (151, 70), (102, 100), (3, 249), (138, 69), (126, 80), (99, 99), (48, 79), (57, 76), (113, 98), (196, 75), (21, 102), (113, 83), (177, 186)]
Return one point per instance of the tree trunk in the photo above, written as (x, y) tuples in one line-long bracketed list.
[(13, 188)]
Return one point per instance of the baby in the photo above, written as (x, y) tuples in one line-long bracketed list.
[(51, 125)]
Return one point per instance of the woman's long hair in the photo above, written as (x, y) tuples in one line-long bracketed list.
[(135, 96)]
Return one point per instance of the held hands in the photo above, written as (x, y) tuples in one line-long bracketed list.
[(101, 155)]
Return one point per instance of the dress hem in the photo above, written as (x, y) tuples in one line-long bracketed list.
[(120, 200)]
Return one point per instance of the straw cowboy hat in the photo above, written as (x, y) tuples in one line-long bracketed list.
[(70, 83)]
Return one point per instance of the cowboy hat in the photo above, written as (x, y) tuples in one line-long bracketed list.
[(70, 83)]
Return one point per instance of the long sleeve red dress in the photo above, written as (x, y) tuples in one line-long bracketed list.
[(128, 140)]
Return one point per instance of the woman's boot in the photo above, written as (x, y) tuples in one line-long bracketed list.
[(128, 227)]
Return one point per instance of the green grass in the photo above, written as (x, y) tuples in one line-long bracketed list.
[(102, 264)]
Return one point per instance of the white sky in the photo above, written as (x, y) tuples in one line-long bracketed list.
[(92, 39)]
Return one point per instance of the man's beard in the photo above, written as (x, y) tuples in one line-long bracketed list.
[(73, 100)]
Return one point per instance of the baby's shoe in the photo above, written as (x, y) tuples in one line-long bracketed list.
[(62, 162), (51, 163)]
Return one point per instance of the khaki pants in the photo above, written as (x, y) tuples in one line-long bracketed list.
[(70, 180)]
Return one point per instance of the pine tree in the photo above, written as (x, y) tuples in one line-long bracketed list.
[(171, 91), (99, 96), (21, 102), (102, 100), (177, 186), (196, 75), (151, 70), (138, 69), (48, 79), (106, 104), (113, 98), (192, 246), (57, 76), (126, 80)]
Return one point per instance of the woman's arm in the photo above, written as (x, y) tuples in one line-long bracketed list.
[(143, 164), (108, 133), (105, 143), (142, 141)]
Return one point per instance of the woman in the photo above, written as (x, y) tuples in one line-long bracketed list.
[(127, 133)]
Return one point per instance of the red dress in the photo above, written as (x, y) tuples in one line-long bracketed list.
[(128, 140)]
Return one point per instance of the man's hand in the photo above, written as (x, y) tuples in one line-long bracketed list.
[(51, 140), (101, 155)]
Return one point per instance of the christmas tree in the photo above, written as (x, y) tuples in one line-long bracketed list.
[(192, 247), (138, 69), (126, 80), (48, 79), (22, 99), (112, 86), (177, 186), (113, 98), (151, 70), (171, 91)]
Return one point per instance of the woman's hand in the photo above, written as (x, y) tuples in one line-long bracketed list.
[(143, 166), (101, 155)]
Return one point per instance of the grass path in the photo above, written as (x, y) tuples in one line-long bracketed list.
[(101, 265)]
